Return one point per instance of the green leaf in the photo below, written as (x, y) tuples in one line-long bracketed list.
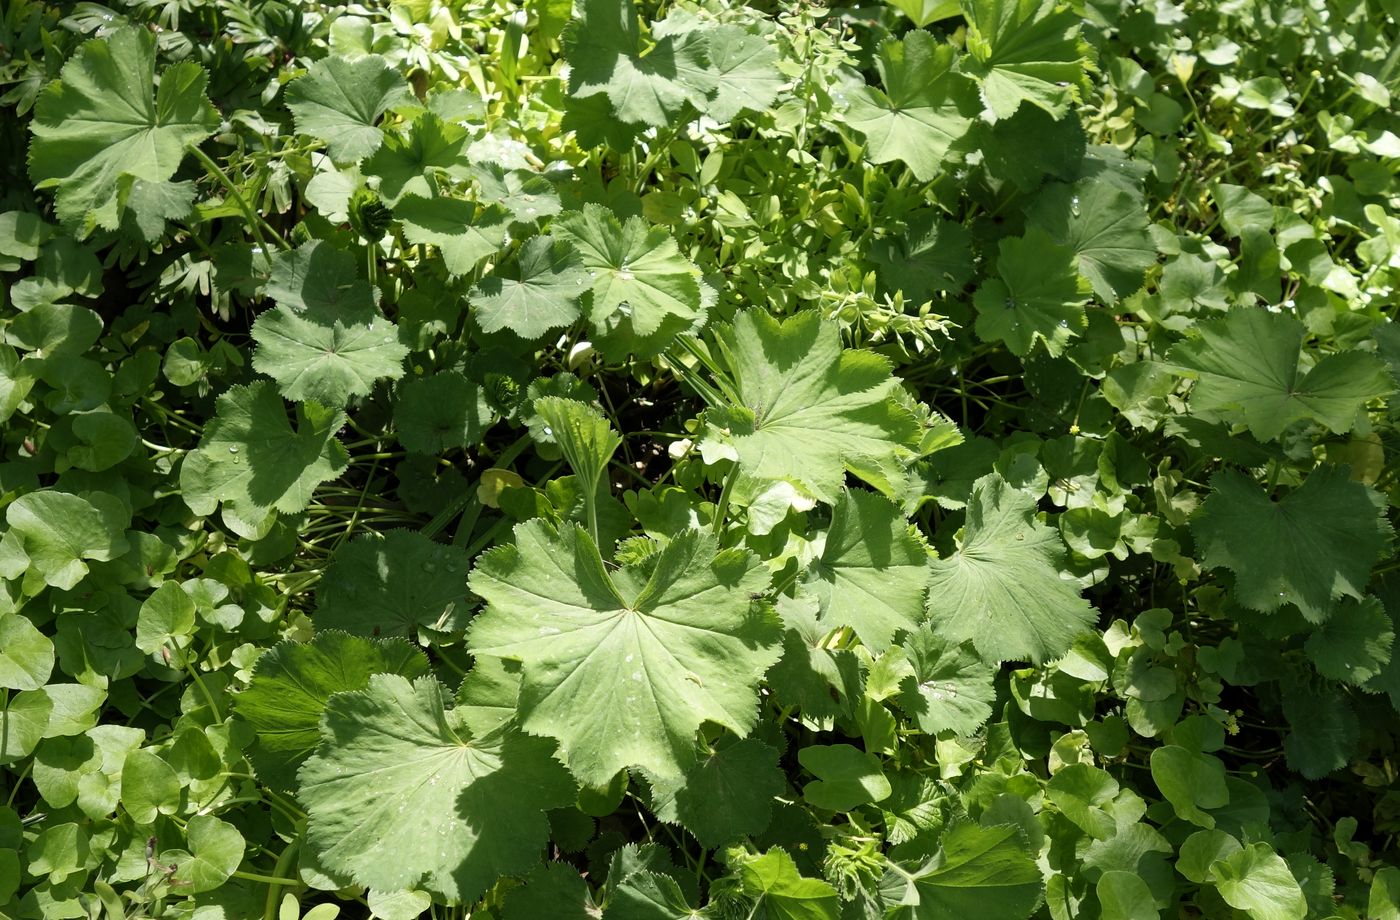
[(440, 412), (1125, 896), (727, 793), (1002, 588), (1201, 851), (340, 100), (1104, 223), (393, 585), (464, 232), (924, 12), (932, 255), (622, 668), (61, 532), (98, 130), (54, 329), (1190, 781), (745, 71), (847, 777), (327, 356), (1322, 539), (1246, 367), (782, 893), (1354, 644), (1256, 880), (291, 685), (583, 434), (922, 112), (1038, 295), (976, 871), (872, 570), (808, 411), (603, 48), (166, 617), (23, 723), (527, 195), (26, 655), (1083, 793), (149, 787), (319, 278), (451, 812), (554, 890), (1024, 51), (215, 853), (1325, 730), (407, 162), (951, 687), (252, 458), (1384, 900), (815, 678), (539, 291), (641, 284)]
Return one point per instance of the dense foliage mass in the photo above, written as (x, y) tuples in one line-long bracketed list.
[(690, 460)]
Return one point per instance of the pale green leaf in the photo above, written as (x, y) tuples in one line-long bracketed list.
[(1001, 588), (98, 128), (623, 667), (340, 100), (400, 795), (252, 458)]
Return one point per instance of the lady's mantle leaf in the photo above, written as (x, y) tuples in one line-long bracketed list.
[(437, 413), (327, 355), (1353, 646), (872, 571), (464, 232), (409, 162), (320, 279), (1038, 296), (1024, 51), (1001, 588), (98, 131), (554, 890), (339, 100), (604, 51), (623, 668), (291, 685), (727, 793), (538, 292), (640, 280), (808, 410), (782, 893), (393, 585), (1246, 370), (1104, 221), (951, 687), (1315, 545), (922, 112), (251, 458), (400, 795), (976, 871)]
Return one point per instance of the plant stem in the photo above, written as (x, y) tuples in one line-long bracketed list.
[(255, 221)]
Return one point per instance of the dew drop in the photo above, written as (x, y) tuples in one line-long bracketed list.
[(430, 567), (548, 431), (233, 449), (1074, 205)]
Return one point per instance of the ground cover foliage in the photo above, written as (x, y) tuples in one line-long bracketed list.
[(689, 460)]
